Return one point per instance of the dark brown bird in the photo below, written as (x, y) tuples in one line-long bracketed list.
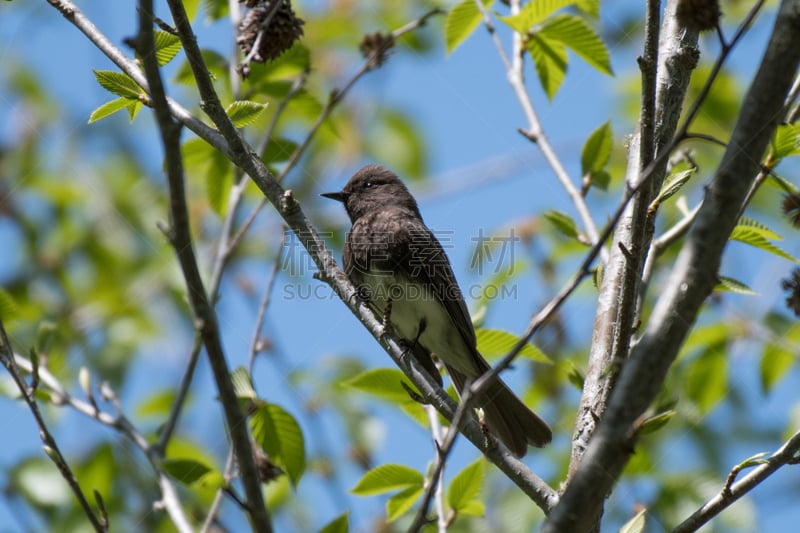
[(391, 256)]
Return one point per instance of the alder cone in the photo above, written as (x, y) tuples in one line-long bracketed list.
[(281, 33)]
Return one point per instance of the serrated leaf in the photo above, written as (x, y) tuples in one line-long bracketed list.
[(386, 478), (167, 46), (280, 436), (786, 141), (399, 503), (673, 184), (579, 37), (590, 7), (493, 343), (563, 222), (118, 83), (242, 384), (466, 485), (597, 149), (187, 471), (727, 284), (244, 112), (340, 524), (382, 382), (533, 13), (550, 59), (760, 228), (109, 108), (656, 422), (754, 237), (461, 21), (635, 524)]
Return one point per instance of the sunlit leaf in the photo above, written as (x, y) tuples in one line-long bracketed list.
[(109, 108), (533, 13), (656, 422), (579, 37), (118, 83), (386, 478), (780, 355), (466, 485), (597, 149), (635, 524), (493, 343), (280, 436), (242, 384), (754, 237), (382, 382), (156, 404), (563, 222), (167, 46), (727, 284), (340, 524), (550, 59), (398, 504), (461, 21), (786, 141), (244, 112)]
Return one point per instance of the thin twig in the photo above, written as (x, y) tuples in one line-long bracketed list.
[(265, 300), (731, 492), (535, 131), (49, 443), (202, 310)]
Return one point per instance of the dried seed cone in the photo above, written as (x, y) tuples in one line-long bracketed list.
[(698, 15), (281, 32), (791, 208), (377, 46)]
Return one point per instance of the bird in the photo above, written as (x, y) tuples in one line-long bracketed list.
[(401, 271)]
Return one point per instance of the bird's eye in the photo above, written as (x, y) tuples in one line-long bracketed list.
[(368, 184)]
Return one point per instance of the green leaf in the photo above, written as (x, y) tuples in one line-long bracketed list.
[(600, 179), (118, 83), (781, 183), (156, 404), (635, 524), (579, 37), (493, 343), (778, 357), (563, 222), (550, 59), (754, 237), (401, 502), (109, 108), (758, 227), (340, 524), (754, 460), (673, 184), (707, 379), (242, 384), (461, 21), (167, 47), (278, 150), (386, 478), (466, 485), (534, 12), (655, 422), (245, 112), (382, 382), (597, 149), (280, 436), (786, 141), (219, 181), (134, 106), (187, 471), (727, 284), (8, 306)]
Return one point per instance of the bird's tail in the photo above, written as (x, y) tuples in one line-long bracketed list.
[(507, 417)]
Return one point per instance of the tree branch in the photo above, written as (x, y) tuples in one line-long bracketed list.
[(181, 239), (731, 492), (692, 280)]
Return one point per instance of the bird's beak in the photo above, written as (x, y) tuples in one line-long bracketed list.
[(338, 196)]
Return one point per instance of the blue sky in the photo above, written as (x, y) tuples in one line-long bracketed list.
[(470, 117)]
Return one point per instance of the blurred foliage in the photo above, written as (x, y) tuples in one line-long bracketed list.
[(89, 281)]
